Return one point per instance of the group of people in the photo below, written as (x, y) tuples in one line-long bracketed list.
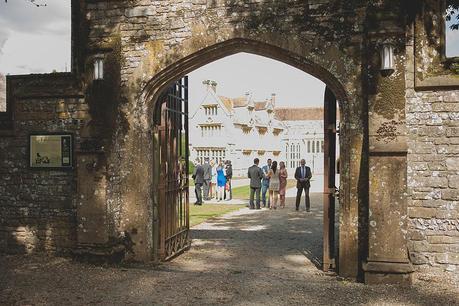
[(273, 179), (211, 178)]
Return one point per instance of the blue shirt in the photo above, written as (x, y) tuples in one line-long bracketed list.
[(265, 180)]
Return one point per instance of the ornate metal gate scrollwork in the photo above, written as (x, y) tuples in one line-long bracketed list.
[(171, 183)]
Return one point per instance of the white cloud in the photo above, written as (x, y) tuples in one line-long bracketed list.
[(34, 39), (452, 43), (21, 16), (452, 39), (32, 53), (242, 72), (3, 38)]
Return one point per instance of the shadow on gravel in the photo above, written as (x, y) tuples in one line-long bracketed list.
[(278, 231), (251, 258)]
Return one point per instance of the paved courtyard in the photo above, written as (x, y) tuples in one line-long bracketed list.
[(249, 257)]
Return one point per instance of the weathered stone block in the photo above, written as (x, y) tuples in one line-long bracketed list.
[(447, 258), (452, 163), (418, 246), (450, 194), (437, 182), (442, 239), (445, 107), (451, 97), (424, 148), (433, 157), (419, 258), (448, 149), (416, 235), (447, 214), (453, 181), (437, 166), (421, 212), (431, 131), (452, 131), (435, 203)]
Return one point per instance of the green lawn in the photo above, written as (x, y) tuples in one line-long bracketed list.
[(199, 214), (243, 192)]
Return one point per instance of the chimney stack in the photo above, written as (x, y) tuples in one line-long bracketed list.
[(210, 85), (206, 83), (250, 104), (213, 85), (273, 99)]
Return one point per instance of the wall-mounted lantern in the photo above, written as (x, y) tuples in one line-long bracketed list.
[(387, 57), (99, 68)]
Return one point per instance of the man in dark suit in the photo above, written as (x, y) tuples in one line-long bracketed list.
[(228, 193), (303, 176), (198, 177), (255, 175)]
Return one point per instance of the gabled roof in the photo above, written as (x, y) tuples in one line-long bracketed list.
[(260, 105), (226, 102), (299, 113), (211, 98), (242, 102), (234, 102)]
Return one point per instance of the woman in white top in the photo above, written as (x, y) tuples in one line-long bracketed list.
[(274, 183)]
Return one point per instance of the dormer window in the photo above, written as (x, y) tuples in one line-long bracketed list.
[(211, 129), (211, 110)]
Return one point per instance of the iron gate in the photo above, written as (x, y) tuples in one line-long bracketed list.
[(171, 172), (329, 179)]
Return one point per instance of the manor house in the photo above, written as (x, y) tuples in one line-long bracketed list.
[(241, 129)]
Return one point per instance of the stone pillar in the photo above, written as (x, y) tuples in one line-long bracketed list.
[(387, 260), (92, 228)]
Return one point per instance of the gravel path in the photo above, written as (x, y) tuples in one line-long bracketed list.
[(244, 258)]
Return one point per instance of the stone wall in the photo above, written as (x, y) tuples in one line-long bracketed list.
[(38, 207), (149, 37), (432, 115), (433, 178)]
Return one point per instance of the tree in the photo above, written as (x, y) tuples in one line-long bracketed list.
[(191, 167), (452, 12)]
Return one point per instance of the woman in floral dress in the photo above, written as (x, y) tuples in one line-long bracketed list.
[(282, 183)]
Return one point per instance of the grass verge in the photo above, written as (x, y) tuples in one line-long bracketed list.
[(199, 214), (243, 192)]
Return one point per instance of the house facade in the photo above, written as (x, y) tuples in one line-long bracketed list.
[(241, 129)]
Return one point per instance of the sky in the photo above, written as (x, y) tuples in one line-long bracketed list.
[(240, 73), (452, 39), (34, 39)]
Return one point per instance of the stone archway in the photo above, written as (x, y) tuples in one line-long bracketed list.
[(145, 46), (349, 240)]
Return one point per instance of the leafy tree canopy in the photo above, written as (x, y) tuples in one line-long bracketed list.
[(452, 13)]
